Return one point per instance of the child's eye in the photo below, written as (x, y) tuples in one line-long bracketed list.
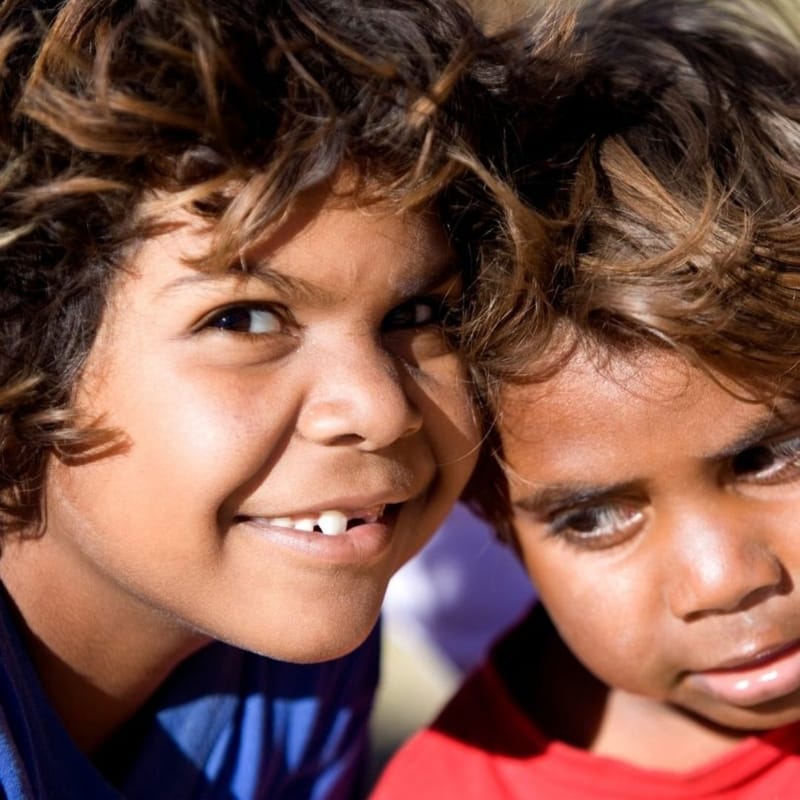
[(418, 312), (248, 319), (596, 527), (771, 462)]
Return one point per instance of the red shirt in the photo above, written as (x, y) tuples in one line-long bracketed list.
[(483, 747)]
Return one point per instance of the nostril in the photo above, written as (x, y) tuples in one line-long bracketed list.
[(751, 592), (352, 416)]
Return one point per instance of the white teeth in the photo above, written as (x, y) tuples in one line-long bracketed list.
[(332, 523)]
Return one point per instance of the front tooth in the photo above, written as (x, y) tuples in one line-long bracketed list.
[(304, 524), (281, 522), (332, 523)]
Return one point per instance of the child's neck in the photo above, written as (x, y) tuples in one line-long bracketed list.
[(654, 735), (96, 668), (569, 704)]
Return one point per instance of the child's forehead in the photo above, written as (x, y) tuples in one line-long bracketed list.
[(648, 419), (646, 380), (316, 255), (577, 368), (323, 212)]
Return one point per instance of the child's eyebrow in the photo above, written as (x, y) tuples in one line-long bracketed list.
[(291, 286), (301, 289), (555, 496), (776, 421)]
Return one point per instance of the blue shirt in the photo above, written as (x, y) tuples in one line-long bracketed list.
[(227, 725)]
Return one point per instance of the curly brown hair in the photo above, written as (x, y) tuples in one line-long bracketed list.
[(666, 166), (112, 111)]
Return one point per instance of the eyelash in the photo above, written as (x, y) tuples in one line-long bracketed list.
[(597, 527), (441, 313), (247, 311), (609, 525), (769, 463)]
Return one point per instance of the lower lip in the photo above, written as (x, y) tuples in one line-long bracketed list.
[(358, 546), (745, 686)]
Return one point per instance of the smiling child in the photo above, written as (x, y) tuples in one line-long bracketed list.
[(645, 383), (228, 410)]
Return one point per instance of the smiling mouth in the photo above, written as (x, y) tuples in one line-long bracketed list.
[(331, 522)]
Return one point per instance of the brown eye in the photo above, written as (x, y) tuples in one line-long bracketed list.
[(246, 319), (416, 313), (754, 459), (771, 462), (597, 527)]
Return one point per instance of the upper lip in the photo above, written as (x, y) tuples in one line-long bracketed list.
[(754, 657), (350, 506)]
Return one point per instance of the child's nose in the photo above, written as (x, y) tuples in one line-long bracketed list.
[(359, 398), (720, 564)]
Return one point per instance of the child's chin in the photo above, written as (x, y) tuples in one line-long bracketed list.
[(318, 651), (308, 642), (764, 717)]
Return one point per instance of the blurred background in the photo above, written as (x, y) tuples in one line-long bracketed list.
[(442, 612)]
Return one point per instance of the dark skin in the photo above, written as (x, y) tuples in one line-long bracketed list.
[(553, 688)]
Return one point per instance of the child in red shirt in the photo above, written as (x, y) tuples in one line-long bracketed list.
[(645, 383)]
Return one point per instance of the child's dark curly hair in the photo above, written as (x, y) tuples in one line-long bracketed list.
[(666, 159), (112, 112)]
